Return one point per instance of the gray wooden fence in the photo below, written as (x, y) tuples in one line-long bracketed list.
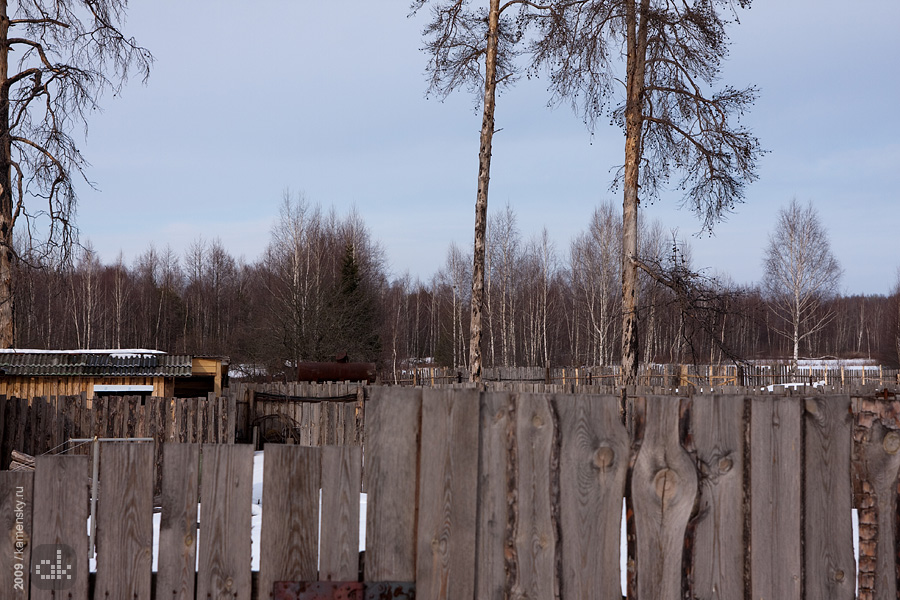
[(656, 375), (504, 495), (38, 426)]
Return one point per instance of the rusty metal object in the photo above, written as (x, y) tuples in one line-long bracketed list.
[(336, 371), (343, 590)]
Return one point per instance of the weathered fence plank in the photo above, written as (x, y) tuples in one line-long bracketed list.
[(16, 532), (226, 488), (495, 496), (664, 488), (594, 459), (880, 458), (392, 447), (719, 545), (61, 508), (830, 568), (775, 467), (290, 519), (447, 494), (341, 485), (535, 539), (177, 559), (125, 521)]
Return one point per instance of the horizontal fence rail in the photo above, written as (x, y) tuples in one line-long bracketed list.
[(476, 494)]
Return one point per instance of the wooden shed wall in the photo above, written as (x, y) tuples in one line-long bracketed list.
[(29, 387)]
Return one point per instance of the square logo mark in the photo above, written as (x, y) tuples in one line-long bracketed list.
[(53, 567)]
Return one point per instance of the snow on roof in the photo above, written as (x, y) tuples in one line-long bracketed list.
[(116, 352)]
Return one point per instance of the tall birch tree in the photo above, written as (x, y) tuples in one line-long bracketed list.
[(676, 124), (801, 273)]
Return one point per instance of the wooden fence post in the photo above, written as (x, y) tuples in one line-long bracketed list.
[(448, 478), (829, 565), (663, 488), (391, 479), (775, 464)]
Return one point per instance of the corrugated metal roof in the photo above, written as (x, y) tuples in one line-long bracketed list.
[(27, 364)]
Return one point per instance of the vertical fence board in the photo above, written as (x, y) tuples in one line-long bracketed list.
[(494, 496), (829, 564), (447, 494), (16, 532), (177, 559), (226, 487), (60, 514), (132, 417), (664, 488), (4, 433), (718, 436), (125, 521), (341, 483), (392, 446), (594, 457), (114, 416), (290, 519), (535, 552), (880, 461), (775, 511)]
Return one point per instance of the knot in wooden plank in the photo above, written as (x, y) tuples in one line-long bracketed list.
[(604, 457), (666, 484), (891, 442)]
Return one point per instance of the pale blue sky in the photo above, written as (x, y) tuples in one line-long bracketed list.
[(246, 100)]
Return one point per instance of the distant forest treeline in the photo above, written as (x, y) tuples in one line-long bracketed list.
[(322, 289)]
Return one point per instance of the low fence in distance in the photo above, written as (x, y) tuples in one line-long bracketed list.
[(671, 375), (311, 414), (494, 494)]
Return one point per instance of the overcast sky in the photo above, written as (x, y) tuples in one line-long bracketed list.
[(247, 100)]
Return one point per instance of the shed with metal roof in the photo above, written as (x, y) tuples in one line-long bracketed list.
[(30, 373)]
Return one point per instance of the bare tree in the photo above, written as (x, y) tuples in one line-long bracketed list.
[(674, 123), (69, 53), (460, 39), (596, 263), (800, 273)]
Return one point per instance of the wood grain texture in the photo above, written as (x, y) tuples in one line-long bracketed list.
[(341, 485), (226, 490), (391, 477), (16, 532), (448, 478), (496, 495), (718, 549), (177, 558), (594, 461), (290, 518), (830, 567), (125, 521), (775, 510), (880, 462), (60, 516), (664, 488), (535, 541)]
